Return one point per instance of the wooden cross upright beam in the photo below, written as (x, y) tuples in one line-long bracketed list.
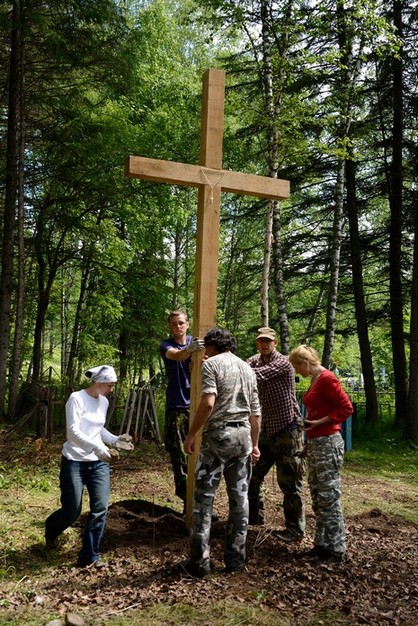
[(210, 179)]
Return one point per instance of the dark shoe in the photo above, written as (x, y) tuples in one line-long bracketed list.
[(51, 544), (229, 569), (332, 557), (287, 536), (197, 571), (316, 551)]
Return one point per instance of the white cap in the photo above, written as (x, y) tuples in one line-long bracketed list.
[(102, 374)]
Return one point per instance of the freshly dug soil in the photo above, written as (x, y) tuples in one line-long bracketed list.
[(144, 543)]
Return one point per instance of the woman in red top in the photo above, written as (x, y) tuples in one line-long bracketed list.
[(327, 407)]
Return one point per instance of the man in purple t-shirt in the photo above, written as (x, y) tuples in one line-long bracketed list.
[(176, 351)]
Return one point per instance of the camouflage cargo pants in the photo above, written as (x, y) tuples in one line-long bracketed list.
[(325, 459), (283, 451), (176, 429), (224, 452)]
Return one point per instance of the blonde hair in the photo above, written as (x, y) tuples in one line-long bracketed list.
[(304, 353)]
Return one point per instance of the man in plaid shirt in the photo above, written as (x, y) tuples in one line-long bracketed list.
[(281, 440)]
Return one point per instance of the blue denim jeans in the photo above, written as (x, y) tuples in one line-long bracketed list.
[(74, 476)]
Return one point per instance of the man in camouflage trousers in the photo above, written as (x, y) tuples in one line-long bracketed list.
[(176, 352), (281, 439), (229, 413)]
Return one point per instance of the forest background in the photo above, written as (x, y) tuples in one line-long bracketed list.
[(320, 92)]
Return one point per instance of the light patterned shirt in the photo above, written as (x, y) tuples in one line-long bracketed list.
[(235, 386)]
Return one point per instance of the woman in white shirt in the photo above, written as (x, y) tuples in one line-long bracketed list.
[(85, 463)]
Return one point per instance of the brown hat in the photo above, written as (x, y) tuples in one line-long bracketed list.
[(267, 333)]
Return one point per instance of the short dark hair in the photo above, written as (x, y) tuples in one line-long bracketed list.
[(176, 313), (221, 338)]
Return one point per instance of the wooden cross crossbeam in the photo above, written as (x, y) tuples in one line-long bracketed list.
[(197, 175), (210, 179)]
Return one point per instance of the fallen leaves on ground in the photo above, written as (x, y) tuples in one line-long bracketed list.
[(144, 543)]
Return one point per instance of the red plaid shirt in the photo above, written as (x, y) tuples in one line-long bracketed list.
[(277, 392)]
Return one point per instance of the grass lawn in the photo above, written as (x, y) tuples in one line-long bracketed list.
[(279, 588)]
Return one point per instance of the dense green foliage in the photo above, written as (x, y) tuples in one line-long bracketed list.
[(312, 89)]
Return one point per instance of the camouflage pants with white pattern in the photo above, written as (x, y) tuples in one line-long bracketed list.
[(325, 459), (224, 452)]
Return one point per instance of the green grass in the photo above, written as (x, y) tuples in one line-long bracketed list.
[(386, 472), (390, 461), (222, 614), (381, 473)]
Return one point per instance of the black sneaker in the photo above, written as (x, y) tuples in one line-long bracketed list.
[(51, 544), (229, 569), (193, 569), (316, 551), (287, 536), (332, 557)]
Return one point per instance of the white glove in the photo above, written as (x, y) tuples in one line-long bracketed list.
[(124, 442), (197, 344), (102, 453)]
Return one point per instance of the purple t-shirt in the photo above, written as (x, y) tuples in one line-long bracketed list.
[(178, 375)]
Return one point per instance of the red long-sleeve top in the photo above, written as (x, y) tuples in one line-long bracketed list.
[(327, 397)]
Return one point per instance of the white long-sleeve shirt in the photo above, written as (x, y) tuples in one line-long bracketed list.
[(85, 419)]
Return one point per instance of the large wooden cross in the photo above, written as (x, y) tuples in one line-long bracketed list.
[(210, 179)]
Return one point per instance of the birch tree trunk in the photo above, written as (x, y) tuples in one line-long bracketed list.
[(347, 74), (314, 314), (279, 282), (395, 243), (75, 339), (334, 266), (372, 413), (265, 279), (273, 96), (412, 406), (176, 268)]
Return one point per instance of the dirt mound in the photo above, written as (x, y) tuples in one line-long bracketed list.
[(140, 522), (144, 543), (376, 584)]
